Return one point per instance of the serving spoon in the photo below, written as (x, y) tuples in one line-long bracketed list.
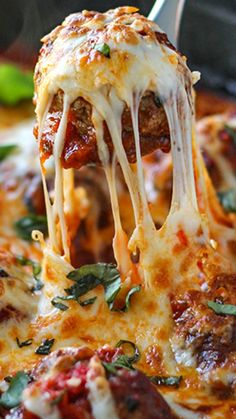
[(168, 13)]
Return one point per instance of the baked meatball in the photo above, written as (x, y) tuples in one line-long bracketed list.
[(116, 63)]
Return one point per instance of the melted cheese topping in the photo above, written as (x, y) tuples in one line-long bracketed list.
[(100, 396)]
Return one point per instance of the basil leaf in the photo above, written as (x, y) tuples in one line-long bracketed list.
[(228, 200), (84, 285), (123, 361), (5, 150), (87, 302), (172, 381), (218, 308), (45, 347), (136, 354), (104, 49), (38, 286), (27, 342), (97, 270), (110, 367), (56, 303), (29, 262), (12, 397), (36, 268), (89, 277), (231, 131), (25, 225), (112, 285), (15, 84), (128, 297)]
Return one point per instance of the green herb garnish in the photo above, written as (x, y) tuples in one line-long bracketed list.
[(104, 49), (12, 397), (27, 342), (56, 303), (172, 381), (228, 200), (25, 225), (219, 308), (36, 267), (15, 84), (89, 277), (124, 360), (87, 302), (128, 297), (45, 347), (5, 150)]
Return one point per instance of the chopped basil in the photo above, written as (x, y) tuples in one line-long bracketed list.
[(172, 381), (45, 347), (136, 354), (128, 297), (27, 342), (219, 308), (25, 225), (228, 200), (22, 260), (12, 397), (56, 303), (38, 286), (231, 131), (87, 302), (123, 361), (5, 150), (89, 277), (36, 268), (104, 49), (15, 84)]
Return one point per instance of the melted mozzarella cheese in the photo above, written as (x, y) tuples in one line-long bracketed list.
[(100, 396), (38, 404), (25, 157), (108, 85)]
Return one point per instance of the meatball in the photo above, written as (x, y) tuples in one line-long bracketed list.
[(94, 61), (80, 146), (64, 383), (207, 339)]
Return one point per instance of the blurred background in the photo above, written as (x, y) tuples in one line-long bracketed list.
[(207, 36)]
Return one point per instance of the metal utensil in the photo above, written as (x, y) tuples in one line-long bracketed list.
[(168, 13)]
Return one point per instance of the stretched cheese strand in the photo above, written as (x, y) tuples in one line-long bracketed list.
[(120, 240), (109, 84), (50, 219), (58, 204)]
